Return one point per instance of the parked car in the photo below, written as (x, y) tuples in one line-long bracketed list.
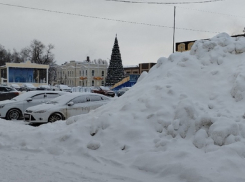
[(7, 93), (122, 91), (44, 87), (14, 108), (64, 107), (103, 90), (15, 86), (64, 88), (28, 87)]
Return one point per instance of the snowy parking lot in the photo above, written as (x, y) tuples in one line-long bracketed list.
[(184, 121)]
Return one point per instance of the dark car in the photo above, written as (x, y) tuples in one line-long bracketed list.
[(7, 93), (43, 87), (122, 91), (103, 90), (28, 87)]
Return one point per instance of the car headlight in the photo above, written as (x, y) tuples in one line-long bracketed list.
[(1, 106), (41, 111)]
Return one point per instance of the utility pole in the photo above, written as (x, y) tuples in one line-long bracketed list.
[(174, 28), (75, 74)]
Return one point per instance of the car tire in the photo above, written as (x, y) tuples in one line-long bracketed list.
[(55, 117), (13, 114)]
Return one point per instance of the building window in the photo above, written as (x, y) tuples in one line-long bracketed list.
[(145, 66), (102, 73), (80, 73), (102, 83), (92, 82), (86, 72), (92, 72)]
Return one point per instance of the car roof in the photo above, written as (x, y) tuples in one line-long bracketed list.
[(5, 86), (45, 91)]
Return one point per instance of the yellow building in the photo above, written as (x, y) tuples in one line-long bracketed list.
[(186, 46), (138, 69)]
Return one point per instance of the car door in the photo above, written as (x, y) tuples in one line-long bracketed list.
[(80, 106), (36, 100), (95, 101)]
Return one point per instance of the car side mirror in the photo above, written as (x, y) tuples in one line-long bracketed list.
[(29, 99), (70, 104)]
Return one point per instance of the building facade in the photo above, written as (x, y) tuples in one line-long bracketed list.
[(27, 72), (138, 69), (186, 46), (86, 73)]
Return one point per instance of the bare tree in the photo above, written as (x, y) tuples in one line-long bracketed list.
[(41, 54), (37, 52), (3, 54)]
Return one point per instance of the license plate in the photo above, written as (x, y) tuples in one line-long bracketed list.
[(27, 117)]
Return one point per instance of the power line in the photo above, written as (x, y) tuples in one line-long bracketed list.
[(168, 3), (109, 19), (222, 14), (142, 2)]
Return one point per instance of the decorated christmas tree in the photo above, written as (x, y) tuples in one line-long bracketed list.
[(115, 71)]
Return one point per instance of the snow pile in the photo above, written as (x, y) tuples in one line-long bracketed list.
[(182, 121)]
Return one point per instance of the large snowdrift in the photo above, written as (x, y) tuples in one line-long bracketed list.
[(182, 121)]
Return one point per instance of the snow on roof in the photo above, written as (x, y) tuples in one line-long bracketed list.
[(29, 94), (67, 97), (130, 66), (182, 121), (29, 85)]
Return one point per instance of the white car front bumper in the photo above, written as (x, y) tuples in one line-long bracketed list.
[(36, 117)]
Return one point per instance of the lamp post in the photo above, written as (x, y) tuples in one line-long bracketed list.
[(75, 74), (174, 28)]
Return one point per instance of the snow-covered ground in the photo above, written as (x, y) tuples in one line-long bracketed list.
[(183, 121)]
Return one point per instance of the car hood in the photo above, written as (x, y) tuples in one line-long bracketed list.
[(41, 107), (7, 102)]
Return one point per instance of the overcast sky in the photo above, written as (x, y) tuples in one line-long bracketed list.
[(76, 37)]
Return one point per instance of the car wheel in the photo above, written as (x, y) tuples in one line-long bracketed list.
[(55, 117), (14, 114)]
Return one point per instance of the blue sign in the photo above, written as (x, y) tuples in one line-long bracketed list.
[(23, 75)]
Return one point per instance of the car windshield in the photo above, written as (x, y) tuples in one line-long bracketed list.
[(10, 89)]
